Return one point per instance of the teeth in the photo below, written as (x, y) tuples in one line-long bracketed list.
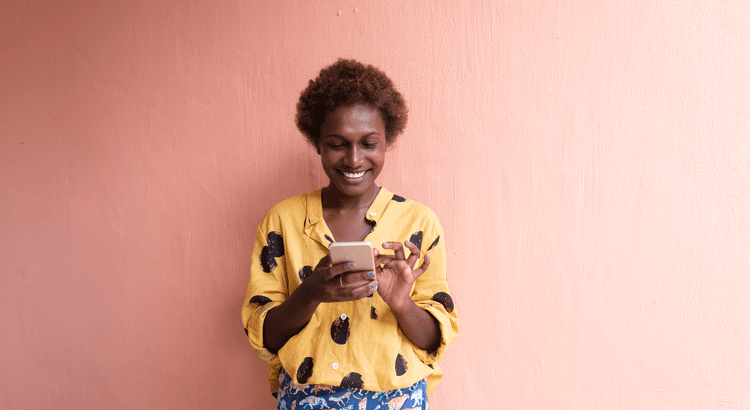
[(353, 176)]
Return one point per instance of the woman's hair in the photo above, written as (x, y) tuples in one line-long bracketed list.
[(348, 82)]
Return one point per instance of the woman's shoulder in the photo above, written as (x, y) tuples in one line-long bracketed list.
[(402, 202), (406, 208), (295, 207)]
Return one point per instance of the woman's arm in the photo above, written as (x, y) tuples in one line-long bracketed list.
[(324, 285), (396, 279), (418, 325), (287, 319)]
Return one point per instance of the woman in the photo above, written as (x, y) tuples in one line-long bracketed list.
[(334, 335)]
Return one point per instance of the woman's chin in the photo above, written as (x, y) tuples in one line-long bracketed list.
[(353, 189)]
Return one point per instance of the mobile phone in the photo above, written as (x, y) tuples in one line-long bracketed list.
[(358, 252)]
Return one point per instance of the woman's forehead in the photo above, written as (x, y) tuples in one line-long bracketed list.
[(353, 118)]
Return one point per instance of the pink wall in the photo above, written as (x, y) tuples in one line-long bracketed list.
[(590, 162)]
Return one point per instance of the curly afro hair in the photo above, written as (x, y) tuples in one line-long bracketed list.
[(349, 82)]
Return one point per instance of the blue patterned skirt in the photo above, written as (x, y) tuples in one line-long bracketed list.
[(292, 396)]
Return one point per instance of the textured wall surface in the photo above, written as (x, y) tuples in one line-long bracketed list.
[(590, 162)]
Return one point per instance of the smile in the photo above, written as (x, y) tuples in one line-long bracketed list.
[(354, 175)]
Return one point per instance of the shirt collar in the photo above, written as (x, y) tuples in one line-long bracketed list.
[(375, 212), (314, 207), (315, 226)]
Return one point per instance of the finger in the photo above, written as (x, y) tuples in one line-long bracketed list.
[(352, 292), (384, 259), (414, 256), (422, 268), (354, 279), (376, 257), (347, 267), (323, 268), (365, 290), (329, 272), (398, 249), (365, 276)]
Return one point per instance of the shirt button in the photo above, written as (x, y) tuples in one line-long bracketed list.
[(343, 316), (373, 213), (335, 366)]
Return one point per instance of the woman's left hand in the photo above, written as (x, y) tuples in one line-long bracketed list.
[(397, 275)]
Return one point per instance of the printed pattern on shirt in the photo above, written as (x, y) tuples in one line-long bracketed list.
[(305, 273), (305, 370), (444, 299), (259, 299), (434, 244), (274, 249), (340, 330), (416, 239), (401, 365)]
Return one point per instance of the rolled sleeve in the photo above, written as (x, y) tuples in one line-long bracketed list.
[(253, 316), (254, 324), (448, 323), (267, 287), (431, 293)]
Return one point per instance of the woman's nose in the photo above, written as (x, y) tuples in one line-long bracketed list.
[(353, 156)]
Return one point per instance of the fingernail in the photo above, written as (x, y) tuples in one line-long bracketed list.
[(385, 243), (374, 284), (408, 242), (372, 274), (351, 265)]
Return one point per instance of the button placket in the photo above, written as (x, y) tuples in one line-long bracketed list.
[(335, 365)]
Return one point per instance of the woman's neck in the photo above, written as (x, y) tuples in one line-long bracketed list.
[(331, 198)]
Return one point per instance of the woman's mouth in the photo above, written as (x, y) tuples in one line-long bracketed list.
[(354, 175)]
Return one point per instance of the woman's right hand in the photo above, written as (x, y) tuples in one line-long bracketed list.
[(340, 282), (327, 283)]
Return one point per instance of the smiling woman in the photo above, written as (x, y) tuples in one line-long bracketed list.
[(387, 327), (352, 150)]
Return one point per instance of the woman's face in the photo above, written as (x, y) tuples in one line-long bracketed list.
[(352, 148)]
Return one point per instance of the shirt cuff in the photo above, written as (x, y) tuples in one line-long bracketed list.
[(448, 323), (255, 331)]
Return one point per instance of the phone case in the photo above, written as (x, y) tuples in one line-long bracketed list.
[(358, 252)]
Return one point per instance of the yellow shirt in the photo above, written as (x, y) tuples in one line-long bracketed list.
[(351, 344)]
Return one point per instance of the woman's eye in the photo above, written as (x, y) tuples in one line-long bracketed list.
[(336, 146), (370, 145)]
